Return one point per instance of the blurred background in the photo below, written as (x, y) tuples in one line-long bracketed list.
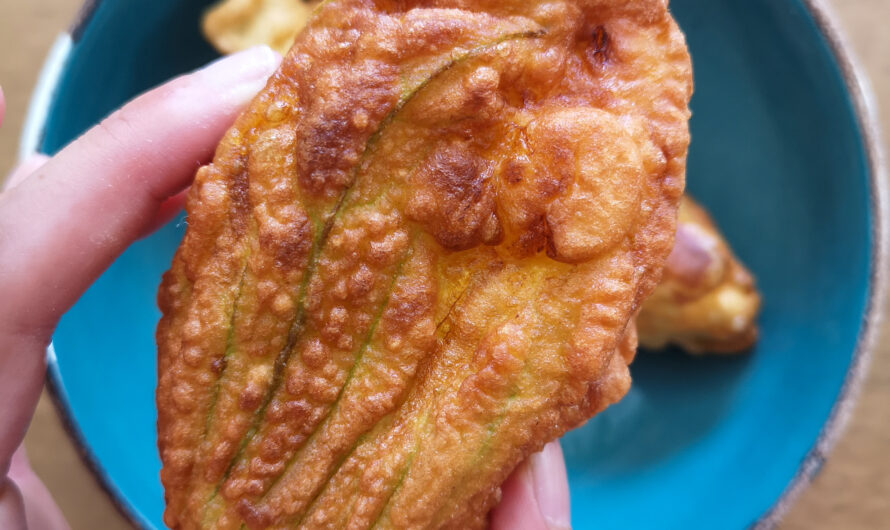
[(853, 489)]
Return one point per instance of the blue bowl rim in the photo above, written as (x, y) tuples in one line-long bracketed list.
[(862, 97)]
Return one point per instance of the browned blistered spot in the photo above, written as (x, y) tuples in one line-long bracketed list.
[(454, 197), (599, 47), (514, 172), (330, 144), (251, 397), (240, 201), (288, 242), (253, 517)]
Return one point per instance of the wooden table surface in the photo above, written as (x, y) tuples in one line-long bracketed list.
[(853, 490)]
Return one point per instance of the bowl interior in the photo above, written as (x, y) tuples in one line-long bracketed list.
[(777, 157)]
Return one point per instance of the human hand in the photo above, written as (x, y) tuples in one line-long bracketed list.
[(63, 220)]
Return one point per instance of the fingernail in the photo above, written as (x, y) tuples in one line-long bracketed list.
[(551, 486), (239, 77)]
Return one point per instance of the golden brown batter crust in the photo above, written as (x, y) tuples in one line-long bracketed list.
[(415, 258), (701, 322)]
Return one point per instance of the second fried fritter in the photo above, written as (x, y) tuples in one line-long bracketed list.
[(707, 301), (415, 259), (235, 25)]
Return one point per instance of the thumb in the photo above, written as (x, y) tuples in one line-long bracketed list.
[(24, 170), (536, 496), (63, 224)]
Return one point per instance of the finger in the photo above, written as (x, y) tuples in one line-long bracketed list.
[(65, 224), (166, 211), (12, 506), (536, 496), (24, 170), (2, 105), (41, 511), (552, 485)]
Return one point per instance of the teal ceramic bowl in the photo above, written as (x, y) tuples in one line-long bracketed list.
[(783, 154)]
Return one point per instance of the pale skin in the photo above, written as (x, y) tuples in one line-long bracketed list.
[(63, 220)]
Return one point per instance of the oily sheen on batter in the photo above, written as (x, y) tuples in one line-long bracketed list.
[(416, 258)]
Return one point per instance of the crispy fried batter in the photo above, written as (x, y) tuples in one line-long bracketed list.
[(415, 258), (707, 301), (696, 317)]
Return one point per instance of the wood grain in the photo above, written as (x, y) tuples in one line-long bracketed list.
[(852, 492)]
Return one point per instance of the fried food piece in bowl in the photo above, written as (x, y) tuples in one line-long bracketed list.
[(707, 301), (235, 25), (416, 259)]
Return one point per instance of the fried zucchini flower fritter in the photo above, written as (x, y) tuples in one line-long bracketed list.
[(416, 258), (703, 321)]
